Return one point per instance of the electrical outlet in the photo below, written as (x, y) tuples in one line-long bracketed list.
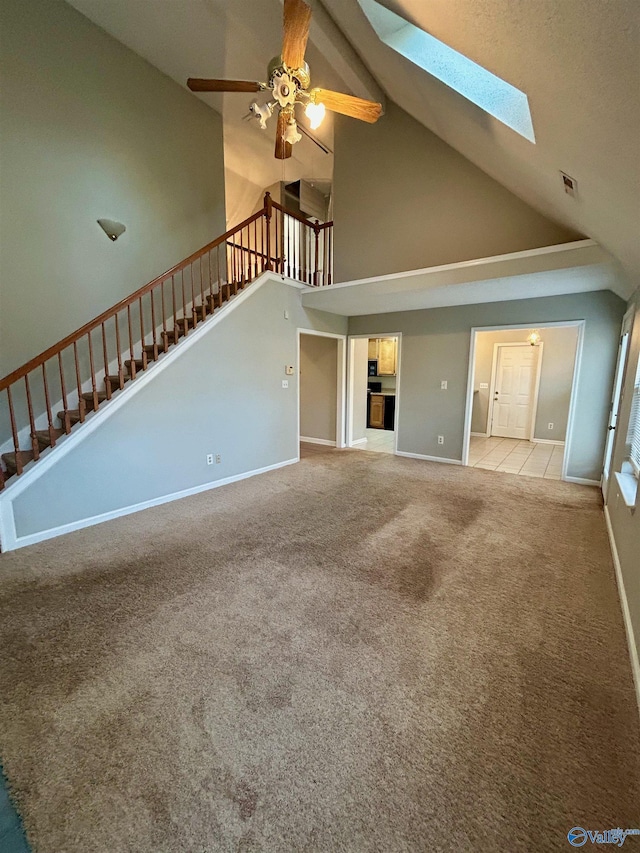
[(443, 385), (218, 459), (440, 439), (549, 426), (285, 383), (209, 458)]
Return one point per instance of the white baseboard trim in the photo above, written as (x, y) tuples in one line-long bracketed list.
[(323, 441), (358, 442), (12, 542), (547, 441), (480, 434), (429, 458), (581, 481), (626, 615)]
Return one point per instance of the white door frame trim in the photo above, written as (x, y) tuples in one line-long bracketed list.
[(351, 380), (580, 325), (340, 382), (616, 398), (536, 391)]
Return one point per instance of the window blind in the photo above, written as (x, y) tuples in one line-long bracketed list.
[(633, 437)]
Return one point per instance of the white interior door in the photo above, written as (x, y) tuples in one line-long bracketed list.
[(514, 391)]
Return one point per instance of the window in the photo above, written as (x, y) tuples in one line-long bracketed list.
[(633, 435), (487, 91)]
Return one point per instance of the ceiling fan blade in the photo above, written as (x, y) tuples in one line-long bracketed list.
[(283, 149), (295, 32), (348, 105), (197, 84)]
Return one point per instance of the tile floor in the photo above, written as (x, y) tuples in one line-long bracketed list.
[(517, 457), (379, 440)]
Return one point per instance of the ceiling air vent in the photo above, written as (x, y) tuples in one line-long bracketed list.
[(570, 185)]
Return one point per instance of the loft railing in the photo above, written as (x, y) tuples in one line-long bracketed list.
[(64, 380)]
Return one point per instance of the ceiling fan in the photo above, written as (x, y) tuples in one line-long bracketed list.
[(288, 82)]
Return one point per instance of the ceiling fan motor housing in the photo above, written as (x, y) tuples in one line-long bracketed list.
[(277, 68)]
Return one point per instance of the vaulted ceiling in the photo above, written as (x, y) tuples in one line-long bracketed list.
[(578, 61)]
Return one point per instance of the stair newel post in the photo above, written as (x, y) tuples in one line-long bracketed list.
[(14, 431), (132, 363), (81, 406), (63, 389), (316, 230), (32, 423), (47, 402), (268, 207), (119, 356)]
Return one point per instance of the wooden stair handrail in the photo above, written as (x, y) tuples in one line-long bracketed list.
[(37, 360), (75, 364), (317, 226)]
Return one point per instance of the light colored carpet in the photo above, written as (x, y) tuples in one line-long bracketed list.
[(356, 653)]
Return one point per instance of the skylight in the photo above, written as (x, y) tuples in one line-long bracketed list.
[(493, 95)]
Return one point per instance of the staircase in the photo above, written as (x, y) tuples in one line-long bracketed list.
[(84, 370)]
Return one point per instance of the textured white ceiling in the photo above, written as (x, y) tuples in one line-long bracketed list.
[(577, 60)]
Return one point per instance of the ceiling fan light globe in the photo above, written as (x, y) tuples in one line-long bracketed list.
[(291, 134), (315, 113)]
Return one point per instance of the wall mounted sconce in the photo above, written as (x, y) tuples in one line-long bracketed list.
[(534, 338), (112, 229)]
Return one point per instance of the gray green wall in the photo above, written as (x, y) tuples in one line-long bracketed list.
[(90, 130), (556, 378), (404, 199), (223, 396), (318, 387), (435, 346), (625, 522)]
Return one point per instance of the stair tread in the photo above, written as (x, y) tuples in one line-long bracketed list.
[(11, 463), (45, 432)]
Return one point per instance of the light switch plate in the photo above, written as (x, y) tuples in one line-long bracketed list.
[(443, 385), (484, 386)]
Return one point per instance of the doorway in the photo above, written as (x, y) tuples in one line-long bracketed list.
[(520, 398), (373, 392), (515, 384), (321, 388)]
